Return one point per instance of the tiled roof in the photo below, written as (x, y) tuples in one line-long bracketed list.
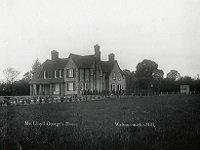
[(107, 66), (83, 61), (49, 65), (80, 61)]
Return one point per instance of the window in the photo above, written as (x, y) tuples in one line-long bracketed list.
[(119, 87), (81, 86), (100, 73), (61, 73), (113, 87), (86, 86), (114, 76), (49, 74), (56, 89), (53, 74), (91, 72), (70, 73), (45, 74), (57, 74), (119, 76), (70, 86)]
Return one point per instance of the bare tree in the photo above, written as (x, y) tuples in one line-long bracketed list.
[(10, 74)]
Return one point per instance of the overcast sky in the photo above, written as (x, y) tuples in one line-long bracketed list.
[(165, 31)]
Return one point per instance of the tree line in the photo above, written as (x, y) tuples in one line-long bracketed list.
[(12, 87), (149, 78), (146, 78)]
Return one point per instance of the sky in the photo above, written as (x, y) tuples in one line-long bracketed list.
[(165, 31)]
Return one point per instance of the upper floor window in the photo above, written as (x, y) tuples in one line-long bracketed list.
[(49, 72), (45, 75), (119, 76), (57, 73), (91, 72), (61, 73), (70, 73), (114, 76)]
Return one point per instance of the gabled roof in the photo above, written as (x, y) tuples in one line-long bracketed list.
[(83, 61), (107, 66), (49, 65)]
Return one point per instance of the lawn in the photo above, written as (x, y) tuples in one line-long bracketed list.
[(174, 123)]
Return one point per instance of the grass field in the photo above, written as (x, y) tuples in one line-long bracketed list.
[(93, 125)]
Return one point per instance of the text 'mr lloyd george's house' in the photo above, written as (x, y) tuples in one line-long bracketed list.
[(75, 74)]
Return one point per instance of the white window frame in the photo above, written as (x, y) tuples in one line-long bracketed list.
[(44, 75), (113, 87), (55, 76), (86, 86), (70, 73), (81, 86), (70, 86)]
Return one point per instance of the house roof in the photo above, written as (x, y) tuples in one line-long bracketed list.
[(83, 61), (49, 65), (80, 61), (107, 66)]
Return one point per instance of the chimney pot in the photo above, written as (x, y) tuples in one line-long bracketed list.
[(54, 55), (111, 57), (97, 52)]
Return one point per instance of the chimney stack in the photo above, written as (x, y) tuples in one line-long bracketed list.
[(111, 57), (54, 55), (97, 52)]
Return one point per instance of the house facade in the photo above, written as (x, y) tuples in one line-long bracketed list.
[(77, 75)]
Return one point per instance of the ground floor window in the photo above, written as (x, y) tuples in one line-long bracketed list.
[(112, 87), (86, 86), (70, 86), (56, 89)]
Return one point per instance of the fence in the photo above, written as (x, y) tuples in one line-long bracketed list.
[(26, 100)]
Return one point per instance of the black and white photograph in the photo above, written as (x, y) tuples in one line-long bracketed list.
[(99, 74)]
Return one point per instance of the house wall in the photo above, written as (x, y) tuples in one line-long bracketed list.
[(71, 65), (116, 81)]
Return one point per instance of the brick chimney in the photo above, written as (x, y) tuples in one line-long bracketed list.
[(97, 52), (54, 55), (111, 57)]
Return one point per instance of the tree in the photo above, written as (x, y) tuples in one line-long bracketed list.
[(173, 74), (148, 75), (10, 74), (35, 66), (130, 80), (27, 76)]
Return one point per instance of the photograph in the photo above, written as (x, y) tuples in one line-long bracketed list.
[(99, 75)]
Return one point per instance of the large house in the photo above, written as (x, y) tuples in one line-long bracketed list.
[(77, 74)]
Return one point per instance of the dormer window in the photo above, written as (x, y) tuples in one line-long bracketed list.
[(49, 74), (45, 74), (62, 73), (57, 74)]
